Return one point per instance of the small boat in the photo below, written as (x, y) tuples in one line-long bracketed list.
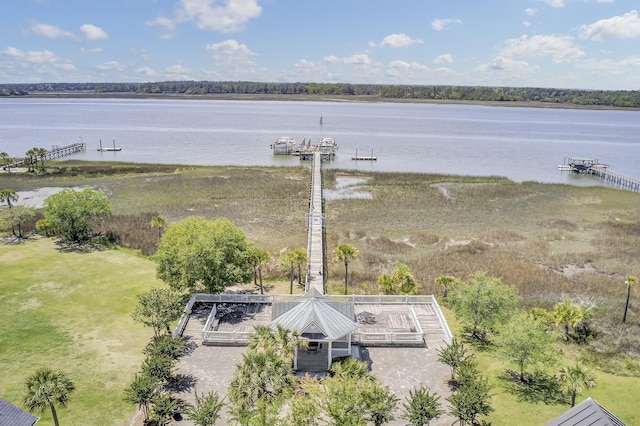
[(107, 148), (284, 146)]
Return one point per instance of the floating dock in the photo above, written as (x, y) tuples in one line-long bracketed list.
[(109, 148), (327, 148), (364, 158)]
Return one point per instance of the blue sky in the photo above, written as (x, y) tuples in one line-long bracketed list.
[(584, 44)]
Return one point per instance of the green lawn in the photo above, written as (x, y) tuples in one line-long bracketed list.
[(72, 311)]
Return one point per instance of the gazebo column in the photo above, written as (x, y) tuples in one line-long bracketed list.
[(295, 359), (329, 355)]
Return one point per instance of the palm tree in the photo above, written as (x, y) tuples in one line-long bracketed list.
[(159, 222), (47, 387), (41, 152), (6, 160), (345, 253), (281, 341), (32, 158), (630, 282), (260, 258), (568, 315), (576, 378), (299, 257), (206, 410), (8, 195)]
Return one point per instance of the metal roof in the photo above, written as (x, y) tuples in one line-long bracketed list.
[(10, 415), (587, 413), (314, 315)]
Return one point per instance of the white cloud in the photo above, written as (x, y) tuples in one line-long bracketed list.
[(560, 48), (110, 66), (49, 31), (331, 59), (526, 24), (230, 16), (530, 11), (359, 59), (620, 27), (441, 24), (397, 41), (32, 56), (234, 58), (178, 70), (145, 72), (92, 32), (168, 26), (554, 3), (443, 59)]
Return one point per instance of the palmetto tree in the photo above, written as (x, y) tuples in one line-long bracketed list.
[(159, 222), (6, 160), (41, 152), (282, 341), (8, 195), (47, 387), (260, 258), (575, 379), (345, 253), (32, 156), (568, 315), (630, 282)]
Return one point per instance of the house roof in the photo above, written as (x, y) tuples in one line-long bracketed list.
[(314, 315), (587, 413), (10, 415)]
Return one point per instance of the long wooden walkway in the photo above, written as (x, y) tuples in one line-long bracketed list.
[(316, 225)]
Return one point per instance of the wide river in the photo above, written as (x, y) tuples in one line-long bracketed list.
[(523, 144)]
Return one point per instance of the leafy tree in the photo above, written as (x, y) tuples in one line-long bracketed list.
[(163, 406), (385, 284), (472, 399), (196, 253), (158, 308), (159, 367), (73, 214), (259, 258), (166, 345), (9, 196), (304, 411), (142, 392), (381, 403), (159, 222), (453, 354), (526, 341), (206, 410), (345, 402), (483, 303), (630, 282), (345, 253), (47, 387), (421, 407), (575, 379), (14, 218)]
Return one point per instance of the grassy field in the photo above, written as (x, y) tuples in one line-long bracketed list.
[(72, 311), (549, 241)]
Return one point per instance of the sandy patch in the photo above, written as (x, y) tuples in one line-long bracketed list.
[(36, 198)]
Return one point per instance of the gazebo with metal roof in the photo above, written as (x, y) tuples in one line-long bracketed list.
[(326, 325)]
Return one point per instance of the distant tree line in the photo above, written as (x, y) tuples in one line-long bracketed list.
[(614, 98)]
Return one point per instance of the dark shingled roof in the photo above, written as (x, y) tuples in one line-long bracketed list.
[(587, 413), (10, 415)]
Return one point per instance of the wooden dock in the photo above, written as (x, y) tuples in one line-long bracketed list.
[(55, 152), (596, 168), (364, 158), (316, 228)]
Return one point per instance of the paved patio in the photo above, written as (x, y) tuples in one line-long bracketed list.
[(211, 368)]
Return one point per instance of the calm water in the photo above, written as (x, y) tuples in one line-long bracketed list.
[(523, 144)]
